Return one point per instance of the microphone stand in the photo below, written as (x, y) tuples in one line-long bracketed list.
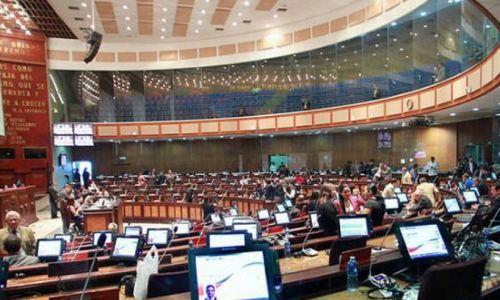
[(100, 244), (305, 241), (169, 243)]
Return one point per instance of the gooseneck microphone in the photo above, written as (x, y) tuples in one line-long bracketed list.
[(169, 243), (100, 244), (307, 237)]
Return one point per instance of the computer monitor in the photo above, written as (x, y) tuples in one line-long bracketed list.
[(109, 237), (263, 214), (402, 197), (252, 228), (183, 228), (126, 248), (280, 207), (288, 203), (475, 190), (470, 197), (397, 190), (68, 238), (353, 225), (215, 218), (391, 204), (133, 230), (423, 242), (228, 239), (238, 274), (157, 236), (313, 219), (233, 211), (452, 206), (282, 218), (49, 249)]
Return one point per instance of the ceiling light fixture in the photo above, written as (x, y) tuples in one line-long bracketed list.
[(199, 22), (165, 9), (234, 24), (84, 4), (275, 16), (127, 18), (164, 20), (203, 11), (129, 28), (125, 6), (453, 114), (247, 3), (196, 31), (240, 14), (475, 109)]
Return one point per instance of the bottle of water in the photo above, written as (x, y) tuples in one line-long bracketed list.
[(352, 274), (287, 245)]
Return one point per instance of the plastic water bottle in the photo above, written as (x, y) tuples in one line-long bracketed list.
[(352, 274), (287, 245)]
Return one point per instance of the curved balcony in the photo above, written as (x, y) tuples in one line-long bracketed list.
[(463, 88)]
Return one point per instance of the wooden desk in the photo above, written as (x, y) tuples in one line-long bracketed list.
[(99, 219)]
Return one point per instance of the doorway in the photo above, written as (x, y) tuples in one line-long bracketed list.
[(81, 165)]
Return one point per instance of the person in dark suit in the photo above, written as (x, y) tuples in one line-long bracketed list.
[(471, 166), (15, 256), (53, 200)]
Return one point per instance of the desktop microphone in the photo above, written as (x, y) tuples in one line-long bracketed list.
[(308, 250), (100, 243), (79, 247), (169, 243)]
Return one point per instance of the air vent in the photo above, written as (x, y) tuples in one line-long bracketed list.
[(78, 19), (247, 21), (219, 29), (73, 7), (282, 9)]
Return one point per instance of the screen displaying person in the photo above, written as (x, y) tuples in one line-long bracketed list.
[(210, 291)]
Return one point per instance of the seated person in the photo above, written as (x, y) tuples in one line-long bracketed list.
[(27, 236), (15, 256), (419, 204), (375, 206)]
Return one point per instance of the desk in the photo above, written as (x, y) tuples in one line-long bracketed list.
[(98, 219)]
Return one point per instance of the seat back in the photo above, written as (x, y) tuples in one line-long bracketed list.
[(109, 293), (163, 284), (363, 257), (345, 244), (461, 280)]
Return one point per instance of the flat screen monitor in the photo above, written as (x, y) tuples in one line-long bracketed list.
[(423, 242), (68, 238), (470, 197), (84, 140), (288, 203), (227, 239), (215, 218), (83, 128), (63, 128), (452, 206), (391, 204), (183, 228), (49, 249), (63, 140), (475, 190), (228, 221), (157, 236), (313, 219), (280, 208), (282, 218), (243, 274), (233, 212), (109, 237), (126, 248), (402, 197), (133, 230), (252, 228), (263, 214), (397, 190), (351, 226)]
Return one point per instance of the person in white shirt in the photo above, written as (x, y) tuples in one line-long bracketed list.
[(432, 167)]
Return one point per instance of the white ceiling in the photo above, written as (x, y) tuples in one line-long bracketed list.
[(127, 16)]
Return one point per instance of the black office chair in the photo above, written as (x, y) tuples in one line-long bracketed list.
[(163, 284), (345, 244), (461, 280)]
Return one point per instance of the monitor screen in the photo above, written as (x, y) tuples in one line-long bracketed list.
[(397, 190), (263, 214), (470, 197), (313, 219), (282, 218), (475, 190), (240, 275), (402, 197), (226, 240), (83, 128), (157, 236), (109, 237), (84, 140), (62, 128), (280, 207), (252, 228), (423, 241), (63, 140), (228, 221), (133, 230), (353, 226), (391, 203), (215, 218), (49, 248), (126, 247), (182, 227), (288, 203), (452, 205), (66, 237), (233, 212)]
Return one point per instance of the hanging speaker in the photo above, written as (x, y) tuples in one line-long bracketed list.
[(94, 40)]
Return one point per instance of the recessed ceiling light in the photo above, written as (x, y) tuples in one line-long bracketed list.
[(207, 0), (275, 16), (487, 26), (267, 26), (394, 23), (162, 37), (203, 11), (84, 4), (453, 114), (234, 23), (247, 3), (199, 22), (165, 9), (125, 6), (127, 18), (129, 28), (423, 14), (497, 114), (475, 109), (163, 29), (240, 14), (164, 20), (196, 31), (457, 30), (89, 16)]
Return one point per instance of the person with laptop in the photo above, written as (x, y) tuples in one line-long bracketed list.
[(419, 204), (375, 206), (27, 236), (15, 256)]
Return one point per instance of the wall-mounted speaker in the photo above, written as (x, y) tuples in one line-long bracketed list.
[(94, 40)]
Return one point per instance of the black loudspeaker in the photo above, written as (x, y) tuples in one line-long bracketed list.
[(94, 40)]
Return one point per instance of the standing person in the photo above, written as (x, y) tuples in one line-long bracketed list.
[(471, 166), (273, 168), (76, 176), (327, 213), (64, 197), (432, 168), (53, 200), (439, 73), (376, 93), (86, 177), (429, 190), (27, 236)]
